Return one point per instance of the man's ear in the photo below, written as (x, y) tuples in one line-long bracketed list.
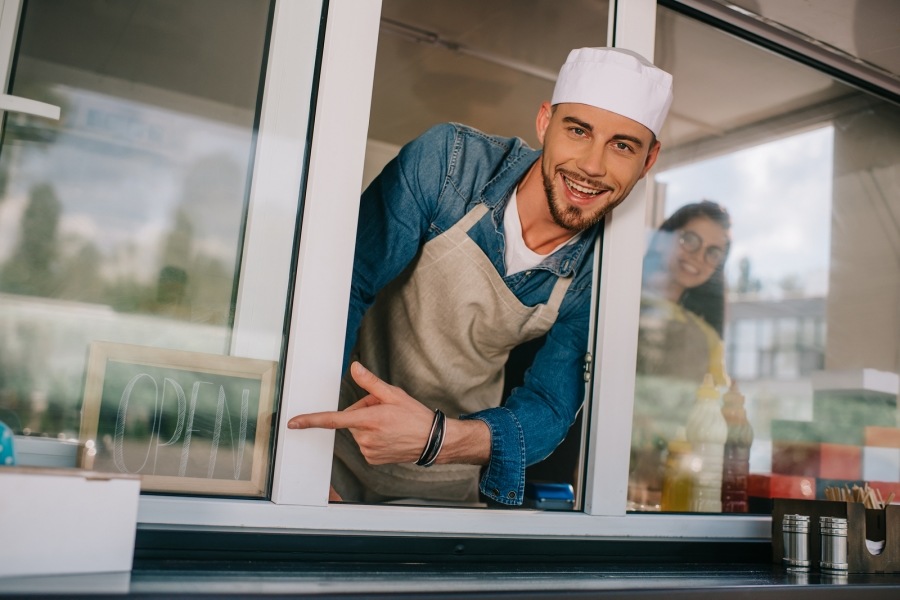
[(651, 158), (543, 120)]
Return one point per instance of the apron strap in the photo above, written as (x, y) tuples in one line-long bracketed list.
[(562, 283), (559, 292), (472, 217)]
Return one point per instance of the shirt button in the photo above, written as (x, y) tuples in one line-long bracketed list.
[(511, 495), (496, 492)]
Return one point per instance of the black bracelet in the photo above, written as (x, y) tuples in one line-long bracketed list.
[(430, 439), (435, 440), (439, 443)]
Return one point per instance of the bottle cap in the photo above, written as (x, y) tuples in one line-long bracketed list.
[(733, 395), (708, 390)]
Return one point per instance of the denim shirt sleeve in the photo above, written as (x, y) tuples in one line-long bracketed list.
[(394, 216), (537, 415)]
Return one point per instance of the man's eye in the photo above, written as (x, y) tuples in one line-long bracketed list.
[(622, 146), (578, 131)]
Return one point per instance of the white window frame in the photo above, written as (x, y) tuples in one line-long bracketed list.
[(619, 300), (315, 346)]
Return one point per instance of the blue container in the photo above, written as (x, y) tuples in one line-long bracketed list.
[(7, 447)]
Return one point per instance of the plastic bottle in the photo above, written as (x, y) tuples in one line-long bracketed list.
[(736, 470), (707, 432), (678, 482)]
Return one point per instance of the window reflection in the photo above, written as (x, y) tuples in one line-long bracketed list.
[(122, 221), (809, 332)]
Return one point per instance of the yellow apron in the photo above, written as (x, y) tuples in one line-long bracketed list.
[(442, 331)]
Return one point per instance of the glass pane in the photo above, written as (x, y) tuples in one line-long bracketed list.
[(863, 30), (796, 321), (488, 65), (123, 223)]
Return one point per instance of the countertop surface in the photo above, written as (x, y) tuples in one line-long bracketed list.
[(335, 580)]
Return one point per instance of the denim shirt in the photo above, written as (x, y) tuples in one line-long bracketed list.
[(425, 190)]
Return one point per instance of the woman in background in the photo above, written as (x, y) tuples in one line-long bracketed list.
[(683, 295), (680, 336)]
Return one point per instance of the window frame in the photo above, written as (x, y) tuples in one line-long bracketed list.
[(314, 347), (10, 12)]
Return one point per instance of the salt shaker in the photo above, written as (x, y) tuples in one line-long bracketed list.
[(795, 529), (834, 544)]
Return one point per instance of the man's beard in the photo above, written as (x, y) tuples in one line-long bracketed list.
[(570, 217)]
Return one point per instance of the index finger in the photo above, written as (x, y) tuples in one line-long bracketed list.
[(325, 420)]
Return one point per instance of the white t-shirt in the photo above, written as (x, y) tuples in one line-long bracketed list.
[(518, 256)]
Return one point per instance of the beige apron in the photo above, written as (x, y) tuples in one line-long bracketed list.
[(442, 331)]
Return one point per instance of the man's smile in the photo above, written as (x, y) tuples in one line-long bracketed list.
[(581, 190)]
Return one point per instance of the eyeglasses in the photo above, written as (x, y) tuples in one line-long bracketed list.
[(691, 242)]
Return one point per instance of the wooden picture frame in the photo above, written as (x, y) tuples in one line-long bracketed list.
[(186, 422)]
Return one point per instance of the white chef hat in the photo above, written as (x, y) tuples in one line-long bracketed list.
[(617, 80)]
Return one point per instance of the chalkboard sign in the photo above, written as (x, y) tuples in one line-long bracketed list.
[(183, 421)]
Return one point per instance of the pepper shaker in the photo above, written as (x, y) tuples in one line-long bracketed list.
[(833, 557), (795, 531)]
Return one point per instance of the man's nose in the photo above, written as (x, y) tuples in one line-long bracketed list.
[(593, 161)]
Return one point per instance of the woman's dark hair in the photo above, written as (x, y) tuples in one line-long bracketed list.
[(708, 299)]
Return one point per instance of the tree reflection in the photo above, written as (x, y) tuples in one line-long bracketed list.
[(32, 270)]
